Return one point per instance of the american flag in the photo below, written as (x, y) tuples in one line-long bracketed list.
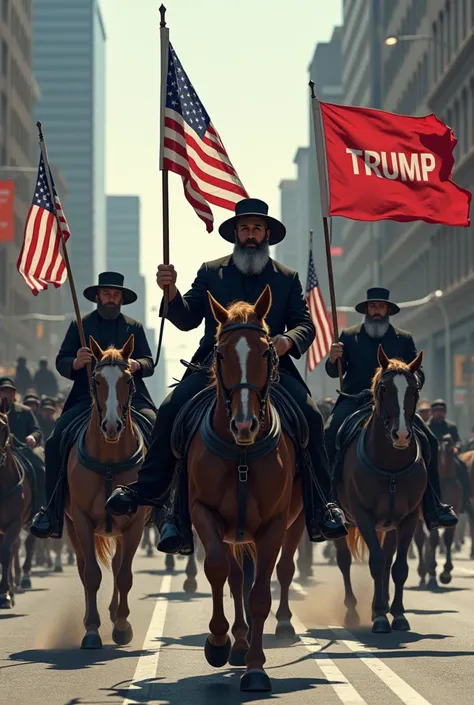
[(40, 261), (194, 150), (321, 319)]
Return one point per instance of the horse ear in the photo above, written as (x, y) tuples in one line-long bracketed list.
[(263, 303), (218, 311), (416, 364), (95, 349), (127, 349), (384, 361)]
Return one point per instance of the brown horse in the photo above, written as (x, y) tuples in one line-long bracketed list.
[(111, 453), (427, 545), (468, 459), (383, 481), (243, 490), (15, 510)]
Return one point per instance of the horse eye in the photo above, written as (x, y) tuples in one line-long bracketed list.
[(219, 355)]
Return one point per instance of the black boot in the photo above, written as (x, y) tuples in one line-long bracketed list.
[(323, 521), (176, 533)]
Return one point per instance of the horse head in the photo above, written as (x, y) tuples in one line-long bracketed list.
[(395, 389), (245, 363), (112, 387), (4, 431)]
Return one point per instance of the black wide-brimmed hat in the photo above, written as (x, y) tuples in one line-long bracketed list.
[(438, 404), (253, 206), (111, 280), (7, 383), (378, 293)]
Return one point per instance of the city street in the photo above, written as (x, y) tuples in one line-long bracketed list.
[(41, 662)]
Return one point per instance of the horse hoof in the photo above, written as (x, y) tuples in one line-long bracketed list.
[(149, 551), (122, 638), (190, 585), (432, 584), (401, 623), (422, 583), (285, 631), (255, 681), (352, 619), (217, 656), (237, 658), (381, 625), (58, 569), (26, 583), (169, 562), (6, 602), (445, 577), (91, 640)]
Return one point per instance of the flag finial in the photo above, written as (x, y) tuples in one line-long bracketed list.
[(311, 86), (162, 13)]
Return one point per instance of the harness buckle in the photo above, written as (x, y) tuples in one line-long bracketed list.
[(109, 476), (393, 485), (243, 471)]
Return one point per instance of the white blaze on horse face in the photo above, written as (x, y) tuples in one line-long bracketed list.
[(242, 349), (112, 374), (401, 384)]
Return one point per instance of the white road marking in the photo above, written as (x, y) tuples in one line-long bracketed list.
[(397, 685), (147, 665)]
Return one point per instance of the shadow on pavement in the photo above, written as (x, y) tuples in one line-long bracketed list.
[(212, 689), (72, 659), (197, 641), (428, 612), (159, 571), (177, 596), (438, 591), (10, 615)]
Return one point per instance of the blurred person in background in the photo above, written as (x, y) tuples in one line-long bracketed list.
[(23, 378), (45, 381)]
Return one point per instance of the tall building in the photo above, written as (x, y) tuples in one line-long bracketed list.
[(417, 258), (69, 65)]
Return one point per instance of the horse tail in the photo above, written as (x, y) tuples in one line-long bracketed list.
[(240, 549), (105, 547), (357, 545)]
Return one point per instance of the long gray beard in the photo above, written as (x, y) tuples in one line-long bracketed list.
[(249, 261), (376, 329), (109, 313)]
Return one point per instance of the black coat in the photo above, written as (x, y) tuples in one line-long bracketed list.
[(23, 379), (288, 314), (23, 423), (359, 361), (106, 333), (45, 383), (442, 428)]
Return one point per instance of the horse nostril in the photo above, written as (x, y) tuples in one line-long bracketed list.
[(119, 426), (233, 426), (104, 425), (254, 424)]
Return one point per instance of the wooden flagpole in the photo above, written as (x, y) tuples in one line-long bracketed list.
[(310, 248), (65, 255), (324, 193), (164, 42)]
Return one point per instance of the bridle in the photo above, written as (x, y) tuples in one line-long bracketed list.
[(131, 388), (389, 375), (272, 370)]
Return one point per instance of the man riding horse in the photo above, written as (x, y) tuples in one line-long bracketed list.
[(108, 326), (357, 349), (440, 426), (27, 438), (241, 276)]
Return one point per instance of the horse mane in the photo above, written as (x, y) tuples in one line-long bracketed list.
[(112, 355), (395, 365)]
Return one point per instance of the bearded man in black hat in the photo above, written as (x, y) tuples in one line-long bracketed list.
[(241, 276), (108, 326), (357, 349)]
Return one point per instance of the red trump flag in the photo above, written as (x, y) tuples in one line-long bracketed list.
[(382, 166)]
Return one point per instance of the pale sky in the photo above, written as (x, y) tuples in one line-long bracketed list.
[(247, 61)]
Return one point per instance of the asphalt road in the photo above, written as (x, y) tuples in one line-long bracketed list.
[(41, 663)]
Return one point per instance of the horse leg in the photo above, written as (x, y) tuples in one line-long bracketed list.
[(405, 531), (48, 559), (123, 632), (433, 541), (116, 563), (57, 548), (84, 531), (76, 547), (169, 562), (304, 558), (16, 564), (459, 532), (30, 543), (389, 546), (420, 539), (446, 576), (240, 629), (190, 584), (269, 540), (365, 524), (10, 537), (344, 561), (216, 567), (471, 529), (285, 572)]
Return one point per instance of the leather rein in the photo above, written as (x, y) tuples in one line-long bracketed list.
[(21, 473)]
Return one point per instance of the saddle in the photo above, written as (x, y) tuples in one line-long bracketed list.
[(74, 433)]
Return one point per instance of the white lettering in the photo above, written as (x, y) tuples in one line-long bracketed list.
[(386, 173), (372, 161), (354, 154), (409, 172), (428, 163)]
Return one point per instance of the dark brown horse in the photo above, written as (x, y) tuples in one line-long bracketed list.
[(383, 482), (427, 545), (15, 510), (111, 448), (251, 500), (468, 459)]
